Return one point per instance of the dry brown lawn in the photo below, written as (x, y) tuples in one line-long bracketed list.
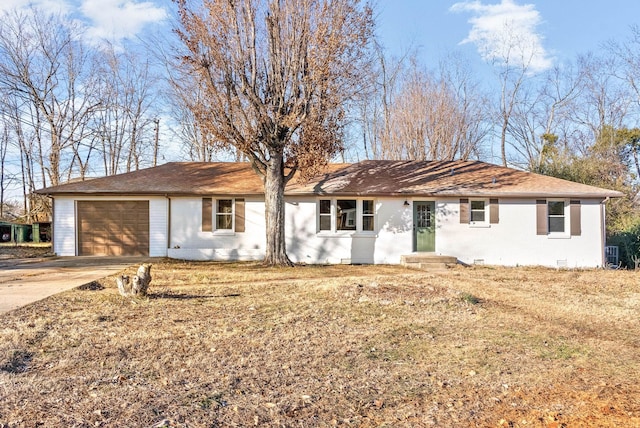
[(237, 344), (28, 250)]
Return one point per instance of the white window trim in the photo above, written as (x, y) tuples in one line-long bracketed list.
[(479, 224), (566, 234), (354, 218), (359, 214), (362, 215), (223, 232), (331, 216)]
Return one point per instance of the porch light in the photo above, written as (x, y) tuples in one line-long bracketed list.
[(406, 203)]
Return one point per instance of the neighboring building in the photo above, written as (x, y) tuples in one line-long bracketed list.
[(20, 233), (368, 212)]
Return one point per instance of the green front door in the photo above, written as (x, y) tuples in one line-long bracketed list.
[(424, 226)]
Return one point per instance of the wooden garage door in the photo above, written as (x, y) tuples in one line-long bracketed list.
[(113, 228)]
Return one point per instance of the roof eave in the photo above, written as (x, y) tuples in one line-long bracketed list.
[(526, 195), (158, 193)]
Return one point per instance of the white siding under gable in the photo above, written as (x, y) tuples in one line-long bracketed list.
[(158, 226), (64, 226)]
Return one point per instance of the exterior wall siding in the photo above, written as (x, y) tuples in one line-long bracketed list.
[(392, 236), (189, 242), (512, 241), (65, 232), (158, 226), (64, 226)]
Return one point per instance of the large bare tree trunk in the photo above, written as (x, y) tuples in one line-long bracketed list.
[(274, 184), (275, 76)]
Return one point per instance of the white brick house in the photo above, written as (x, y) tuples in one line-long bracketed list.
[(368, 212)]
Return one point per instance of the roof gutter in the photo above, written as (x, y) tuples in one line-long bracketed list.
[(528, 195)]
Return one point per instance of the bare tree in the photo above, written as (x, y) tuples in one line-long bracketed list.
[(474, 123), (514, 66), (542, 117), (43, 63), (417, 114), (4, 150), (125, 119), (605, 100), (628, 53), (185, 95), (276, 75), (22, 143)]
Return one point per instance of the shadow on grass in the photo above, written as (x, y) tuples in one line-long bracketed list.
[(18, 363), (184, 296), (91, 286)]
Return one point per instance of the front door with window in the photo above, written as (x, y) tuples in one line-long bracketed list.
[(424, 226)]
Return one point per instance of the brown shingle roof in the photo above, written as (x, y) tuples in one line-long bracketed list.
[(175, 178), (172, 178), (406, 178), (444, 178)]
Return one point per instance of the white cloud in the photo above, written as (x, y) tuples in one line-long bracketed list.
[(114, 20), (506, 31)]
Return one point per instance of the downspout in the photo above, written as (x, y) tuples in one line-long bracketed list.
[(603, 226), (168, 222)]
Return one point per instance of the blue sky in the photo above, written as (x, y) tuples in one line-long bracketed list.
[(558, 29), (565, 28), (562, 28)]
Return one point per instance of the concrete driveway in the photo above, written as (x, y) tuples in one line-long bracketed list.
[(23, 281)]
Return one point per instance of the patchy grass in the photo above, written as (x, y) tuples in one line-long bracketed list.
[(25, 250), (237, 344)]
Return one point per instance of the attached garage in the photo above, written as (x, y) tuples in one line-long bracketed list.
[(113, 228)]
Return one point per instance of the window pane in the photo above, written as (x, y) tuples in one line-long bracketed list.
[(367, 223), (556, 224), (423, 215), (477, 215), (346, 215), (325, 222), (325, 206), (477, 211), (367, 207), (224, 221), (225, 206), (477, 205), (556, 208)]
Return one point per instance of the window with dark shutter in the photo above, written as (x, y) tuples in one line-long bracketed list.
[(556, 214)]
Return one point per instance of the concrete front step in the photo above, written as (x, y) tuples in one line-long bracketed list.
[(428, 261), (427, 258)]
